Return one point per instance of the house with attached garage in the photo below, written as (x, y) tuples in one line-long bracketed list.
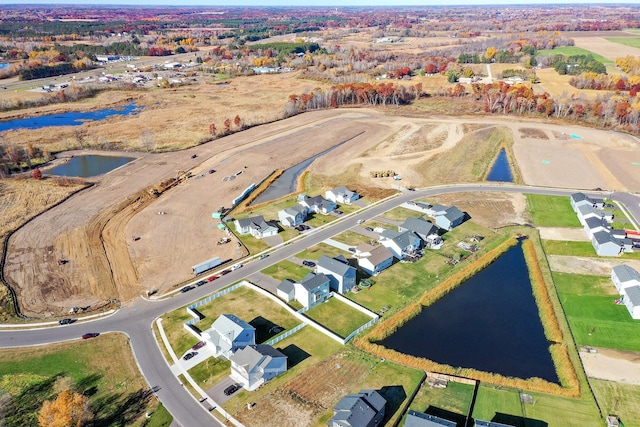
[(420, 419), (228, 334), (451, 218), (631, 300), (310, 291), (341, 195), (581, 199), (593, 225), (341, 275), (373, 259), (256, 226), (425, 230), (254, 365), (317, 204), (606, 245), (364, 409), (587, 211), (293, 216), (399, 243), (624, 276)]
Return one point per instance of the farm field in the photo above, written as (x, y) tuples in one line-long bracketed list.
[(573, 50)]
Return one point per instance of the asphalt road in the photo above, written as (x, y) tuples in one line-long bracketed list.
[(135, 318)]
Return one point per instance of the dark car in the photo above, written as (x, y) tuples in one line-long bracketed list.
[(368, 228), (308, 263), (190, 355), (231, 389), (90, 335), (212, 171), (65, 321), (194, 156), (201, 282), (338, 212), (199, 345), (187, 288), (223, 272)]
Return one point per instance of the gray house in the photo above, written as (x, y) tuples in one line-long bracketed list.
[(420, 419), (256, 226), (451, 218), (340, 273), (581, 199), (420, 227), (399, 243), (364, 409), (631, 300), (254, 365), (312, 290), (293, 216), (624, 276), (605, 244), (375, 260), (229, 333), (593, 225), (317, 204)]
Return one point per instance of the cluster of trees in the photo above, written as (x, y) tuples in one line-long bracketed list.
[(629, 64), (14, 158), (576, 64), (607, 82), (80, 50)]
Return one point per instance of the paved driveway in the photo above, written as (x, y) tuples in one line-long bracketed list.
[(216, 393)]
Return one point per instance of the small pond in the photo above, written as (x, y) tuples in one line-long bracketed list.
[(72, 118), (501, 171), (489, 323), (286, 183), (90, 165)]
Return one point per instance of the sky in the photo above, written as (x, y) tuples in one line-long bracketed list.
[(332, 3)]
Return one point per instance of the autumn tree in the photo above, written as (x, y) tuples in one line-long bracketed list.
[(237, 121), (36, 174), (227, 126), (69, 409)]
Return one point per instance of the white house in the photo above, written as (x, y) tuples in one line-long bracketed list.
[(256, 226), (631, 300), (605, 244), (593, 225), (399, 243), (588, 211), (293, 216), (581, 199), (374, 261), (623, 276), (317, 204), (341, 275), (311, 290), (365, 409), (420, 419), (229, 333), (341, 195), (254, 365)]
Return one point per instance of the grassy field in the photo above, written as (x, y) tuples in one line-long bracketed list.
[(338, 317), (286, 270), (455, 398), (551, 211), (398, 214), (573, 50), (620, 399), (113, 384), (316, 251), (567, 248), (352, 238), (627, 41), (595, 320)]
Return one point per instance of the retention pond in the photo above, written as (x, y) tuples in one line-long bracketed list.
[(89, 165), (501, 171), (489, 323)]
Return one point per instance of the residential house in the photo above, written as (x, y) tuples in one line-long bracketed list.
[(587, 211), (631, 300), (317, 204), (229, 333), (342, 195), (581, 199), (256, 226), (451, 218), (593, 225), (375, 260), (420, 419), (254, 365), (293, 216), (624, 276), (480, 423), (435, 210), (605, 244), (364, 409), (399, 243), (312, 290), (422, 228), (341, 275)]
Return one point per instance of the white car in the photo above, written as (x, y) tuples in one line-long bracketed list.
[(235, 267), (360, 221)]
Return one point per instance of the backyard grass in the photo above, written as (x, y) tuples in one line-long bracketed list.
[(399, 214), (113, 384), (351, 238), (338, 317), (568, 248), (455, 398), (620, 399), (503, 405), (627, 41), (316, 251), (286, 270), (551, 211), (573, 50), (594, 318), (211, 371)]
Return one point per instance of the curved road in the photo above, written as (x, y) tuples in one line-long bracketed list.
[(135, 319)]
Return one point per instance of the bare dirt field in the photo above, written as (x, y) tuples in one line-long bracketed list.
[(612, 365)]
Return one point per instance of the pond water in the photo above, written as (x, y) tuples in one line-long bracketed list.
[(72, 118), (489, 323), (286, 183), (90, 165), (501, 171)]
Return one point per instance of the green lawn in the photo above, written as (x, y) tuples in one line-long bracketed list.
[(351, 238), (210, 372), (573, 50), (568, 248), (552, 211), (456, 398), (503, 405), (594, 318), (316, 251), (338, 317), (620, 399), (627, 41), (34, 374), (286, 270), (399, 214)]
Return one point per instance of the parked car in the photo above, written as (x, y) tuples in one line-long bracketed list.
[(352, 249), (194, 156), (231, 389), (201, 282), (199, 345), (212, 171), (338, 212), (308, 263), (411, 189), (223, 272), (360, 221), (90, 335), (190, 355), (369, 228), (65, 321), (186, 289), (211, 278), (263, 256), (235, 267)]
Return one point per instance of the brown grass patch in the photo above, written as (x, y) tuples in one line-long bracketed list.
[(533, 133)]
